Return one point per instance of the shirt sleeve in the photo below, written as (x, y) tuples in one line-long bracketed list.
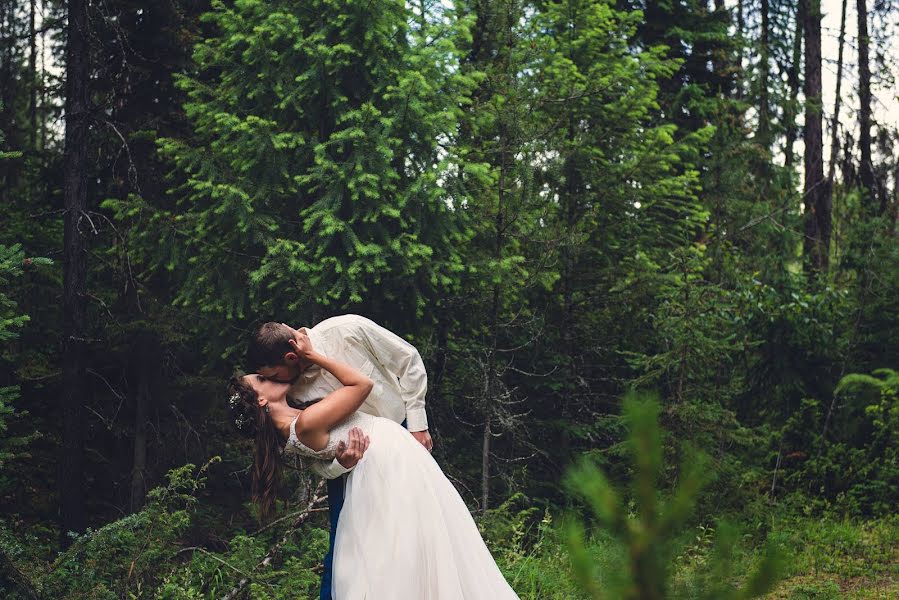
[(402, 361), (328, 470)]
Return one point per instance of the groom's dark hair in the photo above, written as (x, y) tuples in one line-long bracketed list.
[(269, 345)]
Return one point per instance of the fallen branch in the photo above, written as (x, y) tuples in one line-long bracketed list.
[(9, 571), (301, 518)]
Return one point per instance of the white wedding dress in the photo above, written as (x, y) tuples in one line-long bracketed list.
[(404, 533)]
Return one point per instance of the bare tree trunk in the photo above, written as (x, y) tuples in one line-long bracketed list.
[(741, 29), (74, 384), (145, 352), (43, 102), (834, 142), (12, 578), (817, 203), (32, 66), (485, 466), (764, 131), (139, 471), (866, 168), (793, 81), (492, 387), (7, 67)]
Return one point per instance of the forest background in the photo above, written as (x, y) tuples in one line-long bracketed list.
[(558, 203)]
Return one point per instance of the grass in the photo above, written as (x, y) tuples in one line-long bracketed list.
[(840, 559), (826, 559)]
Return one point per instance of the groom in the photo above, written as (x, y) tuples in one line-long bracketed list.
[(390, 361)]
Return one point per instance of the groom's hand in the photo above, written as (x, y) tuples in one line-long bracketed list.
[(424, 438), (350, 452)]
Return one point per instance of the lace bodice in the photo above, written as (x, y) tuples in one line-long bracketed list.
[(339, 433)]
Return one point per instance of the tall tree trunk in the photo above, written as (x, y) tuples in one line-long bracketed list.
[(866, 168), (817, 205), (139, 470), (570, 195), (10, 76), (793, 82), (32, 66), (741, 30), (74, 384), (834, 141), (764, 131), (145, 353), (42, 121), (485, 466), (492, 391)]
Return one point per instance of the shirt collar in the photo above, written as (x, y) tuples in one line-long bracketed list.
[(312, 370), (314, 336)]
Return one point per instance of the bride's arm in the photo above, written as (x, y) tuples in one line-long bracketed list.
[(315, 422)]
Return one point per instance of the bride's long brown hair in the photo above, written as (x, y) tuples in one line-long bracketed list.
[(251, 421)]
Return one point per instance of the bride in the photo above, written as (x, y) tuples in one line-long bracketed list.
[(404, 532)]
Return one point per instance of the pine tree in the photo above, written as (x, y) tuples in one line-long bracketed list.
[(619, 178), (495, 183), (648, 536), (312, 180)]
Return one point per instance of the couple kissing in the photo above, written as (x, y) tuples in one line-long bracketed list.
[(350, 395)]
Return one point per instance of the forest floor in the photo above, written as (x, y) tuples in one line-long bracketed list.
[(841, 559), (826, 559)]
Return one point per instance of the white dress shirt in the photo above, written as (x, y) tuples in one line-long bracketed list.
[(391, 362)]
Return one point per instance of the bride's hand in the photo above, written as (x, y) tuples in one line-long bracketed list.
[(301, 344), (348, 454)]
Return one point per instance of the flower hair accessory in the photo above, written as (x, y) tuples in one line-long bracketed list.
[(234, 403), (240, 421)]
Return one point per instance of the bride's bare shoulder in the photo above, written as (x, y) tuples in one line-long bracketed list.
[(311, 437)]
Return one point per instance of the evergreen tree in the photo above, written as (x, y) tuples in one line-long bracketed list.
[(495, 185), (648, 531), (311, 182), (622, 185)]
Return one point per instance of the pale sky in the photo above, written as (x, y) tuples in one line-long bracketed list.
[(885, 101)]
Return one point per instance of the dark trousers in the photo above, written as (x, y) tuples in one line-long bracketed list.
[(335, 504)]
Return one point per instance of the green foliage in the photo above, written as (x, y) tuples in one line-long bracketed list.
[(313, 176), (853, 467), (213, 574), (827, 554), (817, 555), (12, 263), (12, 259), (648, 531), (126, 558), (7, 154), (510, 528), (827, 590), (141, 555), (697, 325), (554, 201), (803, 333), (529, 549)]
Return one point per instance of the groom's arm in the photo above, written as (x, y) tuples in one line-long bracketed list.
[(402, 360)]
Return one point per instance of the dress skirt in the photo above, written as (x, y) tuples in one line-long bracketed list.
[(404, 533)]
